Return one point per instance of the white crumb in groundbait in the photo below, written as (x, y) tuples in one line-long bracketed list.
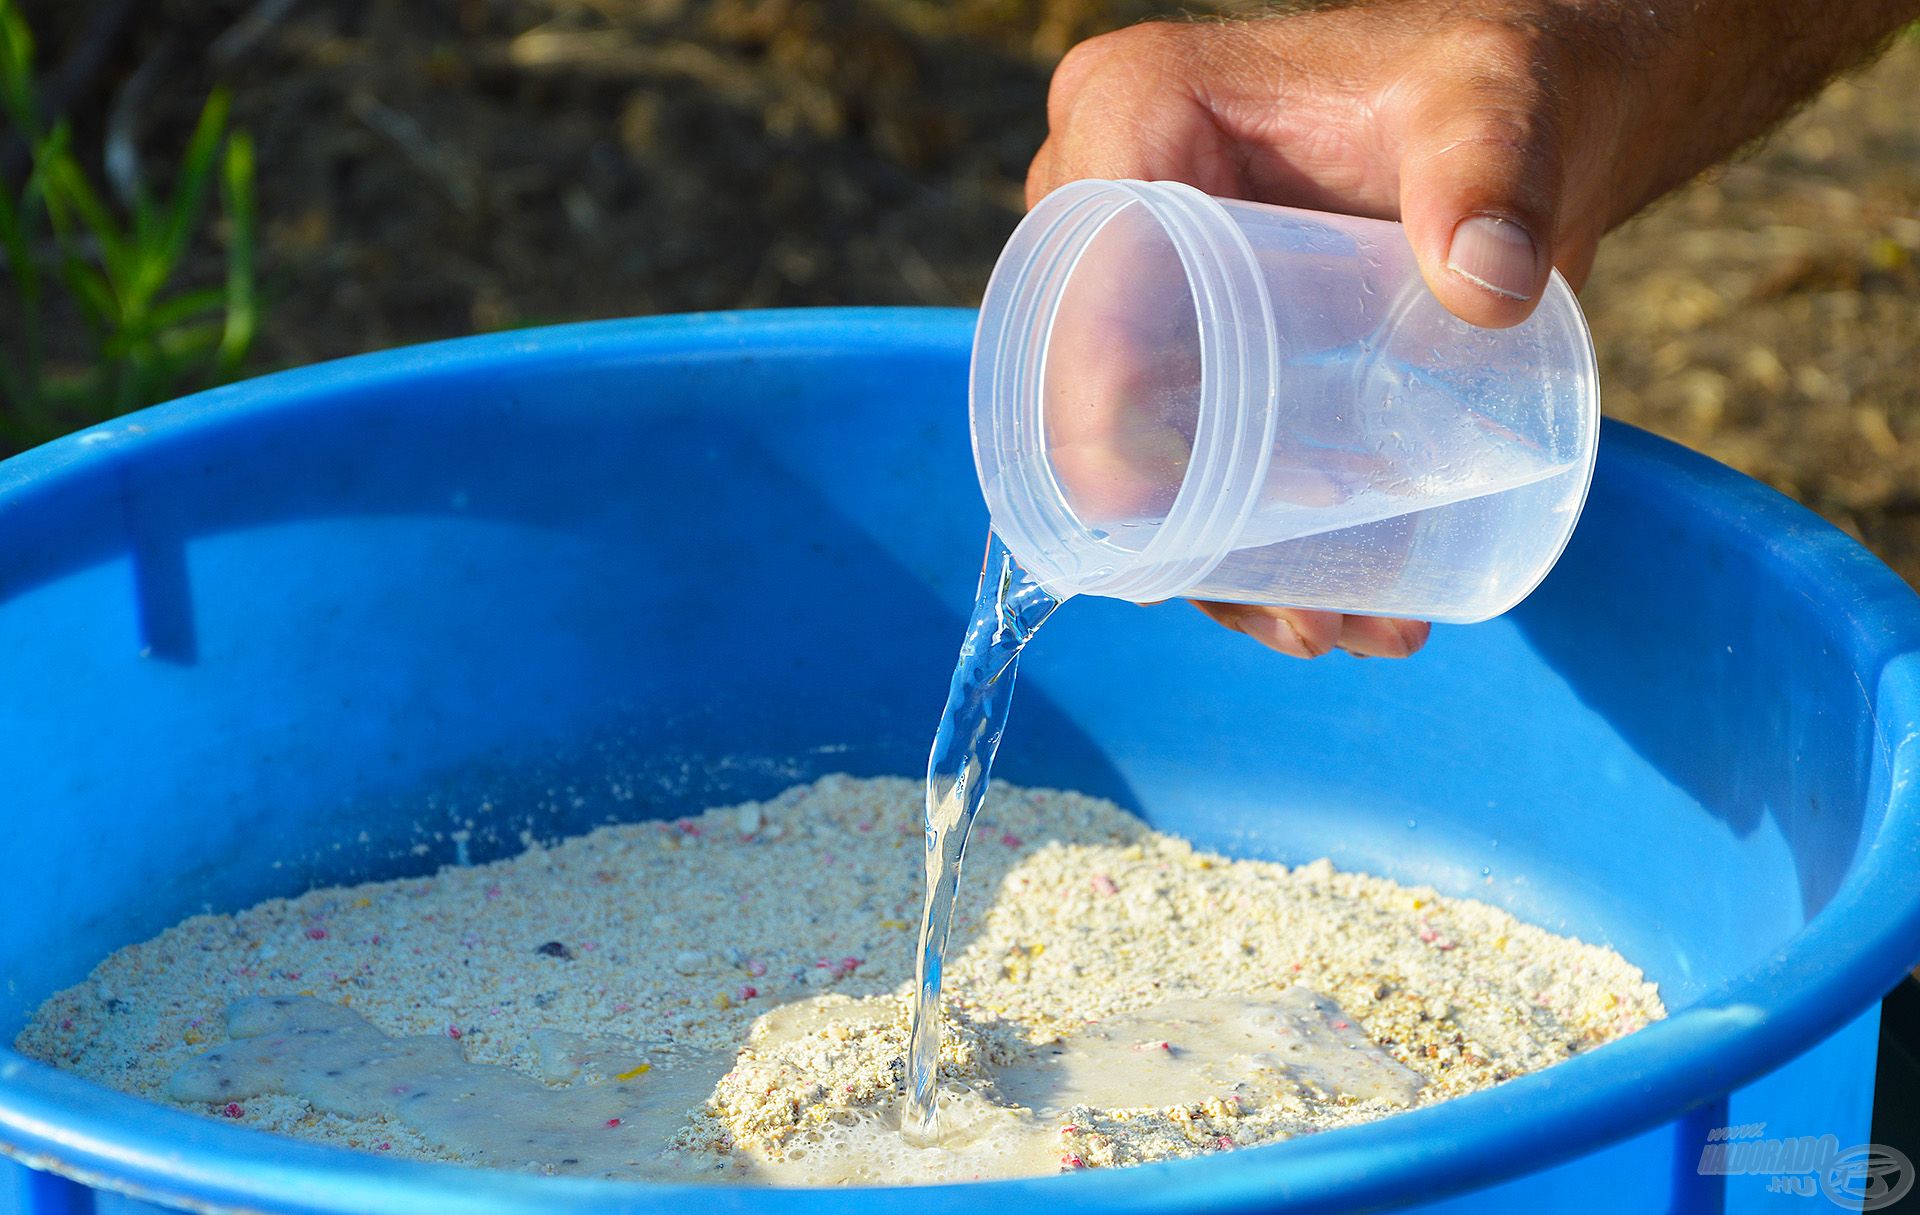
[(596, 1007)]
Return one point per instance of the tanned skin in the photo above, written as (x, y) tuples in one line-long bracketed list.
[(1507, 136)]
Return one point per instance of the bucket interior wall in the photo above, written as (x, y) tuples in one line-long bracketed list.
[(427, 609), (316, 647)]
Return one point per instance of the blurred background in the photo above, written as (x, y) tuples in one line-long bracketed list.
[(199, 189)]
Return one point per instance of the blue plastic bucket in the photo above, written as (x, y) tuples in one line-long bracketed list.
[(289, 631)]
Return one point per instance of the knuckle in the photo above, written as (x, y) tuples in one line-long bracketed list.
[(1118, 83), (1088, 59), (1078, 64), (1502, 49), (1149, 39), (1128, 53)]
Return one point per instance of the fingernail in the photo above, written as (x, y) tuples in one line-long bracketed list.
[(1274, 634), (1495, 254), (1413, 633), (1292, 640)]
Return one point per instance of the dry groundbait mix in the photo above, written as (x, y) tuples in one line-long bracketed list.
[(726, 997)]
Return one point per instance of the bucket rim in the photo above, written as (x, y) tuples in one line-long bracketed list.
[(1835, 968)]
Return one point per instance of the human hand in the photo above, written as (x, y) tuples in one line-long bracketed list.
[(1507, 136)]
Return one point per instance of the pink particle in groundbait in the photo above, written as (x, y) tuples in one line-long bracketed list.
[(316, 934), (688, 826), (66, 1023), (234, 1110), (1073, 1162), (846, 966), (866, 826), (620, 1008), (493, 892), (613, 1122), (1069, 1129), (748, 992), (756, 968), (1223, 1141), (1104, 886), (1010, 839), (453, 1031), (1343, 1025), (386, 1147)]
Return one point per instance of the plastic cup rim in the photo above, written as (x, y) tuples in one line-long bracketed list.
[(1233, 314)]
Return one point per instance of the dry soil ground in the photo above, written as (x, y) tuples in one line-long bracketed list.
[(438, 169)]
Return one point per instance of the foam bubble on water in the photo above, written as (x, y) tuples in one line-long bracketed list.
[(978, 1138)]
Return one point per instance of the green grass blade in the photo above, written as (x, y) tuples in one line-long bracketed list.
[(94, 294), (189, 343), (145, 231), (99, 306), (186, 307), (16, 72), (116, 267), (185, 205), (67, 182), (238, 200)]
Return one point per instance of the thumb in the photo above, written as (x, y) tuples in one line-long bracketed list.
[(1480, 183)]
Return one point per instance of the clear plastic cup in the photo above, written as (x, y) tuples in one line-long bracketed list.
[(1179, 395)]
